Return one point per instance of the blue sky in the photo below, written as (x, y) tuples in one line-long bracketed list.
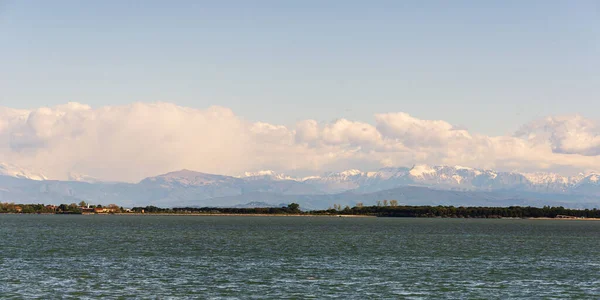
[(489, 66)]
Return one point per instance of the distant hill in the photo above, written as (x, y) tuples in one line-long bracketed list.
[(419, 185)]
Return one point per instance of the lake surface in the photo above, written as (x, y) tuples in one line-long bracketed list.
[(51, 256)]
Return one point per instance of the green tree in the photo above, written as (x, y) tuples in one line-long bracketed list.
[(73, 208), (294, 207), (114, 208)]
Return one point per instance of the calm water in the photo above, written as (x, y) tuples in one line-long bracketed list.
[(293, 257)]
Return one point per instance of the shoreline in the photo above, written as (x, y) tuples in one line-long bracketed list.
[(239, 215), (293, 215), (197, 215)]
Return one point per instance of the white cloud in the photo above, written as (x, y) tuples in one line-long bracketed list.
[(414, 132), (565, 134), (135, 141), (340, 132)]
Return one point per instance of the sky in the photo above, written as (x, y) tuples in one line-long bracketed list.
[(490, 69)]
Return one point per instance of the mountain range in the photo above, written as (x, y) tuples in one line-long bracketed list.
[(417, 185)]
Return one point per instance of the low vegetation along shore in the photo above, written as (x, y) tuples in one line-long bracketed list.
[(293, 209)]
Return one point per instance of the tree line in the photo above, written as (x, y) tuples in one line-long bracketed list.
[(388, 209), (465, 212), (292, 208)]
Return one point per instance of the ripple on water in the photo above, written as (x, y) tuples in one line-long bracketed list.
[(235, 257)]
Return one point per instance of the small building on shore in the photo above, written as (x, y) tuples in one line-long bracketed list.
[(87, 210), (565, 217)]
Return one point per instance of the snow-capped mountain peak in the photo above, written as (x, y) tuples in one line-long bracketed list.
[(16, 171), (421, 170), (351, 172), (267, 174), (546, 178), (74, 176), (347, 175), (463, 168), (439, 177)]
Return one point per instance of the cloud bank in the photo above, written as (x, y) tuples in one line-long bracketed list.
[(128, 143)]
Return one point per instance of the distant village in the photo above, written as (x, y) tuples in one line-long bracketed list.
[(81, 208)]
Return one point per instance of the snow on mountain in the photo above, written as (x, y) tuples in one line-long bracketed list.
[(421, 170), (550, 178), (475, 171), (344, 175), (388, 173), (349, 173), (462, 168), (187, 187), (589, 185), (589, 179), (441, 177), (18, 172), (335, 182), (444, 177), (197, 186), (447, 177), (74, 176), (314, 177), (450, 176), (267, 174)]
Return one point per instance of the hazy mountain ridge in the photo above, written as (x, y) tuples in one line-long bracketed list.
[(421, 184)]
